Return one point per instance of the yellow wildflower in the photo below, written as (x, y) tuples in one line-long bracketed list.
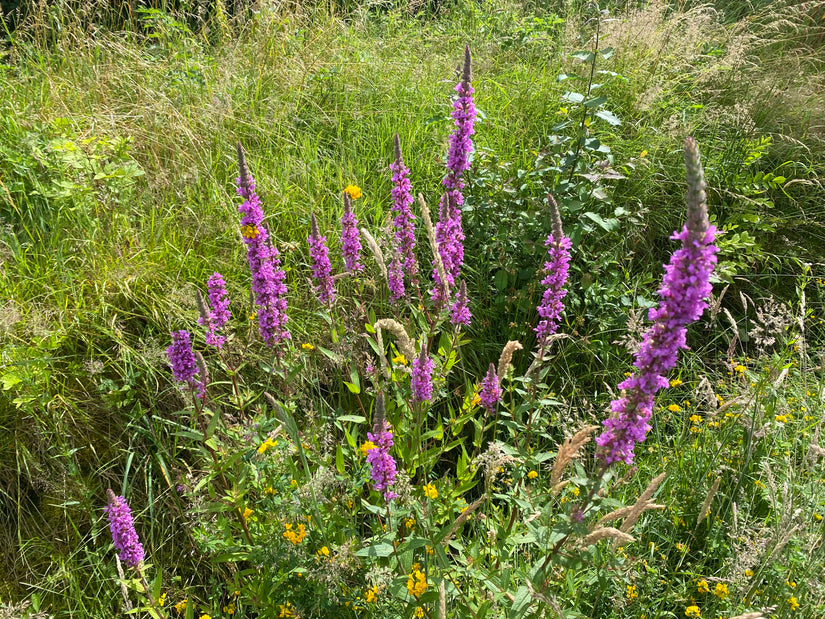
[(354, 191), (793, 602), (740, 369), (162, 600), (748, 573), (643, 154), (418, 612), (702, 586), (676, 382), (249, 232), (720, 590), (366, 447), (307, 346), (371, 594), (180, 606), (399, 358), (247, 513), (631, 592), (781, 418), (532, 474), (229, 610), (324, 552), (287, 610), (674, 408), (692, 611), (416, 581), (430, 491), (409, 523), (696, 418), (205, 617), (266, 445), (295, 536)]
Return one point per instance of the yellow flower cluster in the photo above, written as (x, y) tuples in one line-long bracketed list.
[(417, 581), (631, 592), (371, 594), (287, 610), (354, 191), (674, 408), (692, 611), (720, 590), (532, 474), (247, 513), (180, 606), (249, 232), (430, 491), (702, 586), (399, 358), (295, 536), (307, 346), (266, 445), (366, 447), (418, 613)]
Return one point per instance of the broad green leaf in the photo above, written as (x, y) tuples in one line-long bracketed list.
[(609, 117)]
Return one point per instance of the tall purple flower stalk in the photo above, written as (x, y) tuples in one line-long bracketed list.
[(219, 313), (404, 220), (350, 239), (268, 277), (448, 231), (183, 363), (123, 531), (383, 466), (321, 268), (556, 267), (395, 277), (422, 376), (685, 286), (460, 311), (490, 393)]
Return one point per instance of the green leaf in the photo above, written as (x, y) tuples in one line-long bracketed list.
[(574, 97), (352, 418), (609, 117), (584, 56), (353, 388), (340, 465), (376, 550), (607, 53), (595, 102), (608, 226), (500, 279)]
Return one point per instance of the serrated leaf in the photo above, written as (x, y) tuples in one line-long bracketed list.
[(609, 117), (574, 97), (583, 55)]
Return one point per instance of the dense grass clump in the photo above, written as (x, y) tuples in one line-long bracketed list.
[(118, 202)]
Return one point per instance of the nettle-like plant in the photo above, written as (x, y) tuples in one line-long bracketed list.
[(412, 490)]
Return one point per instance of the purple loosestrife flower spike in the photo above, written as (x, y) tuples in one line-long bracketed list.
[(422, 376), (404, 220), (183, 362), (395, 278), (350, 239), (321, 268), (123, 531), (219, 313), (490, 391), (383, 466), (555, 270), (449, 231), (268, 287), (685, 286), (460, 312)]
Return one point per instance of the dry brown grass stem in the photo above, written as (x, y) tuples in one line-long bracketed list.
[(428, 225), (442, 600), (642, 504), (569, 451), (703, 512), (405, 345), (507, 356), (607, 533), (756, 615), (462, 518), (376, 251)]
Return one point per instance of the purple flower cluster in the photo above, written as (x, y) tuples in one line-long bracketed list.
[(395, 279), (449, 233), (219, 313), (321, 268), (268, 278), (123, 531), (685, 286), (556, 268), (383, 466), (182, 360), (460, 311), (490, 393), (404, 220), (422, 376), (350, 239)]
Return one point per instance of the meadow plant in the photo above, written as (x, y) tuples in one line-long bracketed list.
[(218, 314), (268, 279), (321, 267), (350, 240), (122, 526), (346, 522)]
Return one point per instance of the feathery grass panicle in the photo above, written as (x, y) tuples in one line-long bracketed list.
[(643, 503), (705, 509), (507, 356), (602, 533), (569, 451), (405, 345), (431, 237), (376, 252)]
